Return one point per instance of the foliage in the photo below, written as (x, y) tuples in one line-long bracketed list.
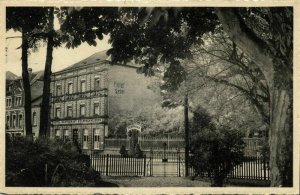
[(154, 120), (123, 151), (138, 153), (27, 162), (201, 120), (216, 152), (265, 151)]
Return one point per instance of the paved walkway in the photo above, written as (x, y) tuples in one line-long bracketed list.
[(155, 182)]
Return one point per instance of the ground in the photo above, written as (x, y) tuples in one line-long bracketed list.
[(155, 181)]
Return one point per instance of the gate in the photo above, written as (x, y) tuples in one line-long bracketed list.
[(165, 164)]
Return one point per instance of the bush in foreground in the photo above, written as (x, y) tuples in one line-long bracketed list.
[(47, 163), (216, 152)]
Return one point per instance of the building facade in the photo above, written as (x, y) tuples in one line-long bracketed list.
[(14, 123), (85, 94), (14, 113)]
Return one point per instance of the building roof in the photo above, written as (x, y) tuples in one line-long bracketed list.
[(37, 101), (37, 76), (36, 82), (96, 57), (37, 90), (100, 56), (10, 76)]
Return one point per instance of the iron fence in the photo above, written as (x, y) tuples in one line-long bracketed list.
[(252, 148), (171, 164), (255, 168), (117, 165)]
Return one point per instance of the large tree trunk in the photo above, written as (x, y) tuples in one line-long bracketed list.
[(281, 113), (281, 138), (45, 107), (26, 86)]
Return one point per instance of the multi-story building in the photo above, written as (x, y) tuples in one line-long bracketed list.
[(15, 118), (85, 94)]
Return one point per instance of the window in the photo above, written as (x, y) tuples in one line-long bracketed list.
[(8, 102), (58, 133), (69, 111), (75, 135), (14, 121), (58, 89), (96, 138), (85, 138), (18, 101), (20, 120), (8, 121), (70, 88), (97, 83), (66, 135), (57, 112), (82, 85), (34, 122), (82, 110), (103, 106), (96, 108)]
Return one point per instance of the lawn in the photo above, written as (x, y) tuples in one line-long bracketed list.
[(155, 181)]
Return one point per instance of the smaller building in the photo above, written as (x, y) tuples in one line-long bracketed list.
[(15, 98)]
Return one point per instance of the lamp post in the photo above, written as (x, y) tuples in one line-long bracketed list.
[(186, 132)]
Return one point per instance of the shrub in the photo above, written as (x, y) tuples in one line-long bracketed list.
[(265, 151), (47, 162), (138, 153), (123, 151), (216, 152)]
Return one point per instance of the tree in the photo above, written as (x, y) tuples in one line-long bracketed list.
[(225, 64), (26, 21), (264, 34), (216, 152), (45, 106), (153, 119), (274, 57)]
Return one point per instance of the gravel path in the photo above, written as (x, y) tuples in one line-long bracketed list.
[(155, 182)]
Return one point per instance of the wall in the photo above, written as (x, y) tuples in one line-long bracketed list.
[(128, 90)]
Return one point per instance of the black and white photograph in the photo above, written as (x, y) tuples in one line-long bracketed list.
[(119, 97)]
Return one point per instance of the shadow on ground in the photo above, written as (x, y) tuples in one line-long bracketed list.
[(155, 182)]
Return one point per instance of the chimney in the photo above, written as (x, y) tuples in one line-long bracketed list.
[(30, 73)]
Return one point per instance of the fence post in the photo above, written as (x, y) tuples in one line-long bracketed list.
[(151, 159), (46, 174), (144, 165), (265, 171), (178, 157), (107, 156)]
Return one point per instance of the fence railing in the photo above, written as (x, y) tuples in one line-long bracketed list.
[(116, 165), (253, 145), (251, 168)]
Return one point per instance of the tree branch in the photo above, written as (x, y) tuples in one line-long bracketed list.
[(247, 41)]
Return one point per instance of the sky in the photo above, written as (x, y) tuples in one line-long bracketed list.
[(62, 57)]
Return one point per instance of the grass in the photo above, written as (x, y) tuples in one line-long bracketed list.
[(131, 181), (155, 181)]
